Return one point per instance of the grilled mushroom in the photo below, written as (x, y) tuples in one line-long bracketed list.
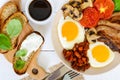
[(74, 8), (87, 3), (91, 35)]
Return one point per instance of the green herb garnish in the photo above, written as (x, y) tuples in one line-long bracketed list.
[(14, 28), (19, 64), (5, 42), (21, 53)]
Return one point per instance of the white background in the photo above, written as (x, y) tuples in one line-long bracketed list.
[(6, 70)]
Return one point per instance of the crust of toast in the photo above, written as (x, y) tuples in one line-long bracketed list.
[(22, 71), (7, 10), (23, 20)]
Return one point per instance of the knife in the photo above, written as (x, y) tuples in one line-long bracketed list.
[(57, 74)]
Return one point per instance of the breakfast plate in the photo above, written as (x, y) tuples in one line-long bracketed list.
[(58, 45)]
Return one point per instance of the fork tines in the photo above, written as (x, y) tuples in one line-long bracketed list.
[(72, 74)]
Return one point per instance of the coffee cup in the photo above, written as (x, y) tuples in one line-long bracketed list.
[(39, 12)]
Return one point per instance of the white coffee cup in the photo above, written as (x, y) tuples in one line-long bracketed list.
[(43, 22)]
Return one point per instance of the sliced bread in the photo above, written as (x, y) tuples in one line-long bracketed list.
[(26, 51), (16, 16), (7, 10)]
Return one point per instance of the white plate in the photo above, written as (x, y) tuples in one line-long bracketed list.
[(59, 48)]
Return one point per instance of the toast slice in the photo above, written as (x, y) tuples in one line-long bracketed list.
[(26, 51), (7, 10), (21, 19)]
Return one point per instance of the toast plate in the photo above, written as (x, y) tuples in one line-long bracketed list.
[(58, 48), (6, 68), (7, 72)]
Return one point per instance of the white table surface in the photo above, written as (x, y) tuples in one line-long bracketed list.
[(7, 73)]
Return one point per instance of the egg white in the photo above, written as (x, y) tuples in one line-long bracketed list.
[(80, 37), (93, 62)]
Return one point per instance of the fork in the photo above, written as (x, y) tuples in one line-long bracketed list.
[(69, 75)]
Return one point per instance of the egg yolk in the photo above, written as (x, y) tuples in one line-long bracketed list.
[(69, 30), (100, 53)]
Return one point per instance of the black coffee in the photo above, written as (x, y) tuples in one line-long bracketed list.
[(40, 9)]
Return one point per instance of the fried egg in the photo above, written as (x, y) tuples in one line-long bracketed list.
[(70, 32), (99, 55)]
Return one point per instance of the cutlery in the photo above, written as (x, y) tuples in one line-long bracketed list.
[(53, 75), (57, 74), (70, 75)]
